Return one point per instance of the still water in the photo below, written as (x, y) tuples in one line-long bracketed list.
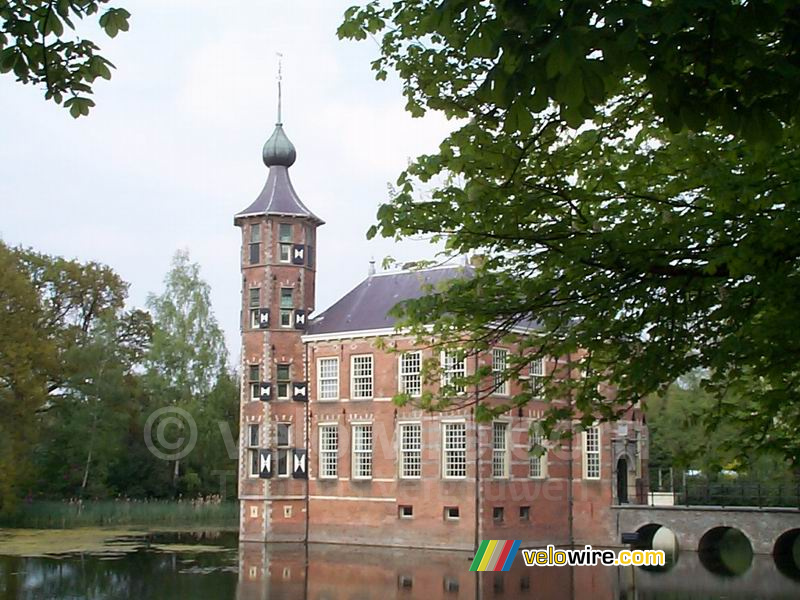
[(213, 565)]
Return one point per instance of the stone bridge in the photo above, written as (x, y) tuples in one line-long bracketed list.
[(769, 530)]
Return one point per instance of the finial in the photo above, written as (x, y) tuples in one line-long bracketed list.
[(371, 269), (280, 77)]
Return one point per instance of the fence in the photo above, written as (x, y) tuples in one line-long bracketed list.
[(668, 487)]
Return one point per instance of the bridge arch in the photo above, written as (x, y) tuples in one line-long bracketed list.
[(655, 536), (725, 550), (786, 553)]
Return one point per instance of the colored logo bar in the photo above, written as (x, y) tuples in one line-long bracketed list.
[(495, 555)]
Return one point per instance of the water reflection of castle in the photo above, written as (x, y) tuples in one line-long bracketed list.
[(333, 572)]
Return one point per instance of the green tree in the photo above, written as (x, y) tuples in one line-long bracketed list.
[(187, 363), (81, 432), (632, 185), (24, 359), (40, 46), (52, 310)]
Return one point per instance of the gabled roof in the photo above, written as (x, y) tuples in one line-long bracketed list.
[(366, 307)]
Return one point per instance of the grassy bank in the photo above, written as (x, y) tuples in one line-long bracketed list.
[(112, 513)]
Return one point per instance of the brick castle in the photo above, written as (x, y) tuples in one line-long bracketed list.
[(326, 456)]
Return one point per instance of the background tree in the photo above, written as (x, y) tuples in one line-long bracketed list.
[(80, 374), (82, 431), (40, 46), (24, 359), (187, 363), (52, 307), (633, 187)]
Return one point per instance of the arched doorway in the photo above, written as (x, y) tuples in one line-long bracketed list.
[(622, 481)]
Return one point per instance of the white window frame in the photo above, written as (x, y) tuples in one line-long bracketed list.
[(537, 469), (284, 252), (322, 394), (402, 374), (255, 311), (501, 387), (447, 459), (410, 455), (361, 450), (595, 472), (328, 456), (252, 451), (355, 394), (537, 375), (451, 370), (283, 448), (500, 451)]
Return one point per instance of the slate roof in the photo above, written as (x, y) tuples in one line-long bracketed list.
[(279, 196), (366, 307)]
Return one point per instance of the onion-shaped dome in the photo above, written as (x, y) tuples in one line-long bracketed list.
[(279, 151)]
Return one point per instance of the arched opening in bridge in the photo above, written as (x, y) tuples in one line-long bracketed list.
[(655, 536), (787, 553), (725, 551), (622, 481)]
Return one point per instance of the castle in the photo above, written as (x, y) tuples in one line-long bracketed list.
[(326, 456)]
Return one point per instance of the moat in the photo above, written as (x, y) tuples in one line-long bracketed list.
[(51, 564)]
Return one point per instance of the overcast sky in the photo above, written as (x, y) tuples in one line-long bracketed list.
[(173, 148)]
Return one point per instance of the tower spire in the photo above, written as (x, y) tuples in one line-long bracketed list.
[(280, 77)]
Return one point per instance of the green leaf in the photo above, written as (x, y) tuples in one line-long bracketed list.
[(569, 88)]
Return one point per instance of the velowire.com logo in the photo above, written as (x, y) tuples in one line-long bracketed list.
[(495, 555)]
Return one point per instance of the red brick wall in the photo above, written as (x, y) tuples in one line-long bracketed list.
[(279, 501)]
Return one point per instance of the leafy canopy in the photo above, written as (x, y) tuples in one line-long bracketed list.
[(39, 46), (629, 171)]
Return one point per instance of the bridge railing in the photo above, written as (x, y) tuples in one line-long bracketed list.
[(702, 491)]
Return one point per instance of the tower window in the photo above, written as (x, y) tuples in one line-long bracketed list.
[(283, 380), (255, 243), (252, 448), (287, 305), (451, 513), (405, 511), (282, 444), (254, 379), (310, 245), (255, 305), (285, 241), (498, 513), (524, 513)]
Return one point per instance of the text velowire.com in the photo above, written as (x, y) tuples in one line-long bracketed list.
[(589, 557)]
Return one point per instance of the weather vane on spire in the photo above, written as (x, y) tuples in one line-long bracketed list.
[(280, 77)]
